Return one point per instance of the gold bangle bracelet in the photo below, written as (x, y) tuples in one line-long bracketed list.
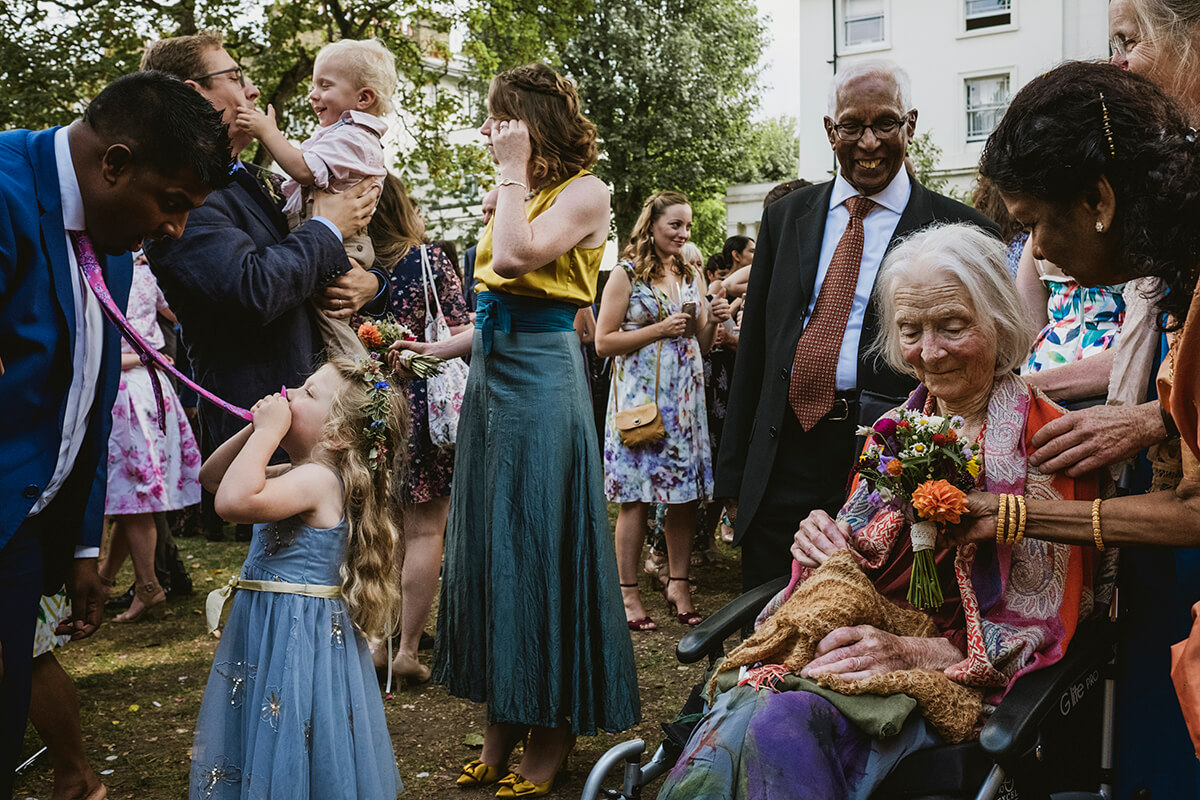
[(1012, 520), (1096, 525), (1001, 515), (1020, 519)]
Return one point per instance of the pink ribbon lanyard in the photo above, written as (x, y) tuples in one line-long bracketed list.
[(150, 357)]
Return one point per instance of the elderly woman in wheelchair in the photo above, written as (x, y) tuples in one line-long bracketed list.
[(842, 677)]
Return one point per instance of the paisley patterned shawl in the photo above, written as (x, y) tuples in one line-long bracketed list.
[(1021, 603)]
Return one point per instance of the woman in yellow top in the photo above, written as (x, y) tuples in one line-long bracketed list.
[(530, 619)]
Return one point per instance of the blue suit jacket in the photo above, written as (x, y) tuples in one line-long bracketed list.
[(37, 336)]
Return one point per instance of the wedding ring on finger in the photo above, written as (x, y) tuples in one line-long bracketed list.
[(857, 663)]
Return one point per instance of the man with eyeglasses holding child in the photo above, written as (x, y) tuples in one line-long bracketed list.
[(237, 279), (804, 379)]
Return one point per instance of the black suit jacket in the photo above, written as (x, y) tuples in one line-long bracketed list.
[(781, 285), (239, 284)]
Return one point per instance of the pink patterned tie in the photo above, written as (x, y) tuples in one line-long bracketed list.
[(150, 357), (814, 369)]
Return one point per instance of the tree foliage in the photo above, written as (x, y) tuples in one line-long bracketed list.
[(57, 54), (772, 152), (670, 84), (708, 224)]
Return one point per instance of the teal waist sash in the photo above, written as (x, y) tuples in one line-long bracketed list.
[(510, 313)]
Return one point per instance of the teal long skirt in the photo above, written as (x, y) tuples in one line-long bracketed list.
[(530, 619)]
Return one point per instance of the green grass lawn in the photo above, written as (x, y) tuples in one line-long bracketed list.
[(141, 685)]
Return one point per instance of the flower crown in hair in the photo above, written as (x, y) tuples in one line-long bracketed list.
[(377, 409)]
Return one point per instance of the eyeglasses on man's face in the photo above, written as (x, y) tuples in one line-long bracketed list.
[(883, 129), (235, 74)]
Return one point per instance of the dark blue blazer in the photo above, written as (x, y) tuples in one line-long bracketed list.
[(239, 283), (37, 336)]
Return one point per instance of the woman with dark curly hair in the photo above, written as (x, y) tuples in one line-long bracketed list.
[(530, 620), (1103, 168)]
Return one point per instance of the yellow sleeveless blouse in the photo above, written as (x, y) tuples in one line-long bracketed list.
[(571, 277)]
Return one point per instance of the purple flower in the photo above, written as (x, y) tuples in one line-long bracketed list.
[(874, 499), (886, 426), (883, 462)]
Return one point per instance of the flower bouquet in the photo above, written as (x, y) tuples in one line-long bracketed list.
[(379, 335), (918, 464)]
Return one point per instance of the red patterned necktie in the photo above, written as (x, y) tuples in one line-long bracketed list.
[(814, 369), (85, 254)]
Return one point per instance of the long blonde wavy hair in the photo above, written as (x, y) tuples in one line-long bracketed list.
[(647, 266), (374, 546)]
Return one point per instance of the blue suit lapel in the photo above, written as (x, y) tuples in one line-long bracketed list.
[(45, 170)]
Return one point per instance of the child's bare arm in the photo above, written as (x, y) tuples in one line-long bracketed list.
[(289, 157), (215, 466)]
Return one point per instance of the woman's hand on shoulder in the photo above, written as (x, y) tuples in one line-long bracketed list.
[(861, 651), (818, 537)]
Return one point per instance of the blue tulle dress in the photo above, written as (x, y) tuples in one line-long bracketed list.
[(292, 707)]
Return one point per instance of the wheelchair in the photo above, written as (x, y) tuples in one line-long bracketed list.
[(1050, 739)]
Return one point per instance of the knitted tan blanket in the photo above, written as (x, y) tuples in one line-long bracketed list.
[(839, 595)]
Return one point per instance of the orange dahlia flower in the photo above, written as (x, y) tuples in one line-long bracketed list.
[(895, 467), (939, 501), (370, 335)]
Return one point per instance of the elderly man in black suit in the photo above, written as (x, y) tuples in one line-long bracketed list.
[(237, 279), (804, 376)]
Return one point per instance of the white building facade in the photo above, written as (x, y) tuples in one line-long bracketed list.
[(966, 59)]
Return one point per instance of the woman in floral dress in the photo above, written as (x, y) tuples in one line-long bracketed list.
[(153, 464), (657, 345), (398, 233)]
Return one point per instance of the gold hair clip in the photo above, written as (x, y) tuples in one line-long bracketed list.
[(1108, 134)]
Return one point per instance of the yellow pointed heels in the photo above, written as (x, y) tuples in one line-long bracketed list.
[(522, 787), (478, 773)]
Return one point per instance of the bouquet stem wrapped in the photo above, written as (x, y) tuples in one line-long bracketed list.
[(379, 335), (917, 464)]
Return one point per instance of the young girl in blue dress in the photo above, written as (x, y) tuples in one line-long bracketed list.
[(292, 708)]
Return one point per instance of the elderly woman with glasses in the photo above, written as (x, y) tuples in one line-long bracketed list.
[(791, 718)]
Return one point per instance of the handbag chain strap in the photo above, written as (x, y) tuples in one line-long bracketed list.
[(658, 356)]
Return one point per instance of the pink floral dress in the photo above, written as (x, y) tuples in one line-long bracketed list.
[(149, 469)]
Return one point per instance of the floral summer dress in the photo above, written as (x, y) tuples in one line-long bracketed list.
[(1083, 321), (678, 467), (151, 467), (429, 466)]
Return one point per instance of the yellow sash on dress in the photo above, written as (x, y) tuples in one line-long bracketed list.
[(218, 597)]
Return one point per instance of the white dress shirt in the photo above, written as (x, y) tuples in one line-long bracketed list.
[(88, 345), (879, 225)]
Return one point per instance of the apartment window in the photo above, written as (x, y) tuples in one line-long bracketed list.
[(988, 13), (863, 22), (987, 97)]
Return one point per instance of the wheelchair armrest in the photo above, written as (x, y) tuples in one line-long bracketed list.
[(710, 634), (1012, 730)]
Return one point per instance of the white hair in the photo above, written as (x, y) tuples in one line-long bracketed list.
[(692, 253), (974, 259), (880, 67)]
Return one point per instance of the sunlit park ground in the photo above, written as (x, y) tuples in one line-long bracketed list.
[(141, 686)]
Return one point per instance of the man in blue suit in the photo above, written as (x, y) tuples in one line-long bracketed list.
[(146, 152), (238, 280)]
